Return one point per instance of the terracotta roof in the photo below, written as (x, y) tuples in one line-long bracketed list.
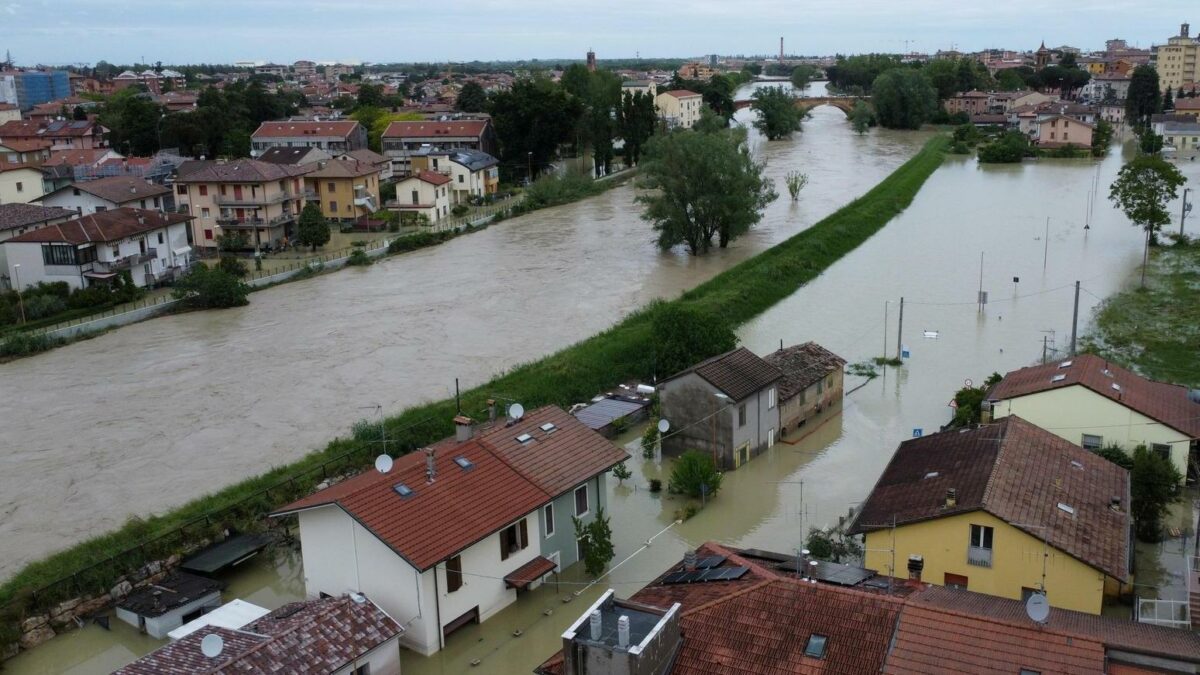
[(462, 506), (242, 171), (802, 366), (529, 572), (1162, 402), (680, 93), (339, 129), (365, 155), (739, 373), (316, 636), (26, 144), (343, 168), (285, 155), (1074, 120), (432, 129), (76, 157), (1187, 104), (431, 177), (13, 216), (18, 166), (115, 189), (105, 226), (1017, 472), (55, 129)]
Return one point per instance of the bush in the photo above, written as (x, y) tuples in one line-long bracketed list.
[(832, 545), (686, 336), (621, 472), (359, 258), (232, 266), (596, 540), (656, 485), (555, 190), (206, 288), (460, 210), (24, 344), (1010, 148), (650, 439), (1155, 485), (695, 475), (42, 306), (1117, 455)]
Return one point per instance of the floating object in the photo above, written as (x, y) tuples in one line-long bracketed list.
[(930, 335)]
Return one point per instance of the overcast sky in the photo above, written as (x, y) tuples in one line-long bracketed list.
[(223, 31)]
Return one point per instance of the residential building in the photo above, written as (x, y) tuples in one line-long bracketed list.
[(344, 635), (648, 87), (276, 69), (401, 139), (152, 246), (811, 384), (169, 603), (450, 536), (1059, 131), (334, 72), (17, 219), (1189, 107), (62, 134), (33, 152), (1113, 112), (1104, 87), (382, 164), (9, 112), (423, 194), (331, 136), (679, 107), (154, 82), (473, 173), (1178, 61), (726, 407), (1032, 98), (346, 189), (104, 194), (748, 611), (977, 505), (259, 199), (304, 70), (1092, 403), (19, 183), (27, 88), (294, 156), (697, 70), (970, 102), (1182, 138)]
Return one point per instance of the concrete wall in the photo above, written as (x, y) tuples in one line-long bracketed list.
[(808, 403), (1016, 560), (1071, 412)]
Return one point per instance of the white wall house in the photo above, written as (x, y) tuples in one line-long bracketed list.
[(150, 245), (19, 184), (105, 194), (426, 193), (445, 540)]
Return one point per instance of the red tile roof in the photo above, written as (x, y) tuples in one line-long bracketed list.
[(802, 366), (529, 572), (461, 507), (1162, 402), (116, 189), (429, 129), (26, 144), (240, 171), (339, 129), (1187, 104), (76, 157), (681, 93), (316, 636), (105, 226), (1017, 472), (432, 178)]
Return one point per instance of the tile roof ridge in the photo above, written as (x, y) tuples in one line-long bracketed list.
[(726, 598), (494, 452), (991, 481)]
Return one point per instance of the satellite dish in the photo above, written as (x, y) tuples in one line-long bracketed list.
[(516, 411), (1037, 607), (383, 463), (663, 425), (211, 645)]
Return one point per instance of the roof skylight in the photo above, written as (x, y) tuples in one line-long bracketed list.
[(524, 438), (1065, 364), (402, 490), (1066, 508)]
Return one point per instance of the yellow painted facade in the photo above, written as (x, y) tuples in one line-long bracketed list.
[(344, 198), (1071, 412), (1016, 561)]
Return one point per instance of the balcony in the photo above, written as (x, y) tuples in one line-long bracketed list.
[(979, 557), (311, 195), (247, 200), (127, 262)]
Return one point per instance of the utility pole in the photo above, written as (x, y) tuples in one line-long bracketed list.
[(900, 330), (1186, 208), (1046, 251), (979, 298), (1045, 346), (885, 322), (1075, 320)]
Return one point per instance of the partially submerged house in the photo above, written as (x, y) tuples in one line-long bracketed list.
[(162, 607), (811, 384)]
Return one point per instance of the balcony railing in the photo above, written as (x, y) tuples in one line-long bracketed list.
[(256, 222), (980, 557), (259, 200), (127, 261)]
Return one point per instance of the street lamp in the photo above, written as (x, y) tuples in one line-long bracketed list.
[(529, 167), (17, 280)]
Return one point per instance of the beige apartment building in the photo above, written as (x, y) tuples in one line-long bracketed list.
[(679, 107), (1179, 61), (262, 200)]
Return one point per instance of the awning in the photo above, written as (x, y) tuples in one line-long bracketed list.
[(529, 572), (100, 276), (184, 250)]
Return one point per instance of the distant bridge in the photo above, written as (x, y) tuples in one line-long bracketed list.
[(843, 103)]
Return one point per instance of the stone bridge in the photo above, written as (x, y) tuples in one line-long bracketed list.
[(843, 103)]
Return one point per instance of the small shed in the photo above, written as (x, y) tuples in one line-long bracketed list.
[(159, 608), (233, 614), (602, 411)]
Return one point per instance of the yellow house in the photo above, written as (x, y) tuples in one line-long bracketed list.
[(1006, 509), (1091, 402), (680, 108), (346, 189)]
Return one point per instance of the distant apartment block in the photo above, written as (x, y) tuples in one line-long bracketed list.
[(402, 139), (330, 136), (1178, 61), (259, 199), (27, 88)]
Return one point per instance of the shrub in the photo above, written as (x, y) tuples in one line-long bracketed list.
[(1117, 455), (650, 439), (1009, 148), (206, 288), (460, 210), (1155, 485), (685, 336), (42, 306), (24, 344), (695, 475), (832, 544), (621, 472), (655, 485), (232, 266), (359, 258), (596, 540)]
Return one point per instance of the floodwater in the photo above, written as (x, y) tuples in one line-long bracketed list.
[(152, 415)]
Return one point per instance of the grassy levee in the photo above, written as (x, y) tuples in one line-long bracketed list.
[(623, 352)]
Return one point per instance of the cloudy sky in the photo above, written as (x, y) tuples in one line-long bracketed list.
[(223, 31)]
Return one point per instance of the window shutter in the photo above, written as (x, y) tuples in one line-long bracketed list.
[(524, 533), (504, 545)]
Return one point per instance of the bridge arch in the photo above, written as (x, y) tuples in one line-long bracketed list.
[(843, 103)]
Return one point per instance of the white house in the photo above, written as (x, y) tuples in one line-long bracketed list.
[(1094, 403), (152, 246), (472, 173), (17, 219), (452, 535), (19, 183), (105, 194), (426, 193)]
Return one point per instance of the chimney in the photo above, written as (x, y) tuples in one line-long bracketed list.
[(430, 469), (491, 404), (689, 560), (1184, 30), (985, 412), (915, 564), (802, 564), (1115, 503), (596, 624), (463, 428), (951, 498), (623, 632)]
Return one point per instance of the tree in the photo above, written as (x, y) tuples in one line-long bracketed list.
[(861, 118), (532, 119), (858, 73), (832, 544), (1009, 148), (1168, 103), (684, 336), (903, 99), (205, 288), (795, 183), (471, 98), (695, 475), (1143, 99), (1102, 138), (803, 75), (777, 114), (700, 186), (1154, 482), (132, 120), (1142, 190), (718, 95), (637, 122), (943, 77), (595, 539), (79, 114), (621, 473), (1010, 80), (313, 230), (370, 95)]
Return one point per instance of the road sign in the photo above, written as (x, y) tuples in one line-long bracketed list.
[(968, 382), (904, 353), (983, 297), (953, 404), (918, 432)]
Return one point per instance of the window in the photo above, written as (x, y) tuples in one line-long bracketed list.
[(203, 190), (1027, 591), (333, 207), (142, 204), (208, 234), (771, 437), (101, 208), (21, 187), (460, 178), (548, 513), (981, 536), (820, 387), (1030, 671), (742, 415), (160, 237), (514, 539), (416, 198), (75, 191), (581, 501), (332, 187), (116, 251), (58, 254), (771, 398), (979, 549), (1091, 442), (204, 212), (1161, 449), (181, 189), (156, 202), (803, 396), (816, 646), (364, 669), (955, 581), (454, 574)]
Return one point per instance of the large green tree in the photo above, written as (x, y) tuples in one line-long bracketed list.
[(1144, 97), (777, 113), (1142, 190), (312, 230), (684, 336), (858, 73), (803, 75), (1154, 482), (702, 186), (637, 123), (471, 98), (132, 119), (903, 99), (532, 119)]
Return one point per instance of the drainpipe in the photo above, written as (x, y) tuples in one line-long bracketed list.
[(437, 606)]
